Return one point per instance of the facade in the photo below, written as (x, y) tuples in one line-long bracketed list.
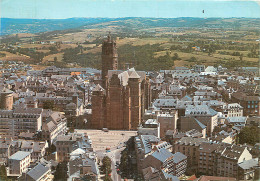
[(4, 151), (144, 145), (199, 68), (189, 146), (55, 124), (37, 173), (167, 121), (18, 163), (150, 127), (203, 113), (14, 122), (231, 110), (65, 144), (249, 103), (162, 159), (36, 148), (123, 97), (189, 123), (226, 160)]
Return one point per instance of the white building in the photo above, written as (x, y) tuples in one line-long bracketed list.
[(18, 163)]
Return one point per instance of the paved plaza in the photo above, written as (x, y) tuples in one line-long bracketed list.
[(112, 139)]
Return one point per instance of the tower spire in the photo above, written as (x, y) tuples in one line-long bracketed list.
[(109, 37)]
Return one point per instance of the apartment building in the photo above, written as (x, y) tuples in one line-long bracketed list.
[(189, 123), (228, 157), (250, 104), (13, 122), (226, 160), (231, 110), (189, 146), (18, 163), (65, 144), (150, 127), (147, 144), (206, 115), (36, 148), (53, 125), (162, 159), (37, 173), (167, 121)]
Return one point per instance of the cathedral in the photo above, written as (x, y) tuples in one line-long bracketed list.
[(120, 102)]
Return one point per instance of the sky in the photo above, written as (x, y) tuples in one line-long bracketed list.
[(61, 9)]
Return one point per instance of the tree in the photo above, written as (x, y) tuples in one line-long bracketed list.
[(106, 165), (3, 175), (249, 135), (88, 178), (61, 172), (51, 149), (106, 168), (108, 178), (241, 57), (48, 105)]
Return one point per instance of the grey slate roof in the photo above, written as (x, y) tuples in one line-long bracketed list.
[(164, 154), (200, 124), (191, 141), (178, 157), (237, 119), (170, 177), (249, 163), (38, 171), (202, 110)]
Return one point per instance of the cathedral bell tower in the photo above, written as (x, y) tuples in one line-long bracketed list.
[(109, 58)]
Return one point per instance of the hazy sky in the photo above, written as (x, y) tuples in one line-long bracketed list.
[(59, 9)]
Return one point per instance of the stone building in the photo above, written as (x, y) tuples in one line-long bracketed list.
[(162, 159), (14, 122), (66, 144), (6, 99), (123, 97), (18, 163), (189, 146)]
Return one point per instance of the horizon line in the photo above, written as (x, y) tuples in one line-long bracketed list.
[(132, 17)]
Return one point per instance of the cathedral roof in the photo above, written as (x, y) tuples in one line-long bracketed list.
[(125, 75), (134, 75), (98, 88)]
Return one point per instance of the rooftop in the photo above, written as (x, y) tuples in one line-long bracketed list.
[(20, 155)]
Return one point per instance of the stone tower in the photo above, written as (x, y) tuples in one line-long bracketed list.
[(114, 104), (75, 99), (98, 107), (135, 99), (6, 99), (109, 58)]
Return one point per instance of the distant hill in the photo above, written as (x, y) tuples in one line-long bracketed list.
[(14, 26)]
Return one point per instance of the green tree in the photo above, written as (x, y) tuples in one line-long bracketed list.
[(249, 135), (51, 149), (106, 165), (61, 172), (48, 105), (55, 59), (3, 175)]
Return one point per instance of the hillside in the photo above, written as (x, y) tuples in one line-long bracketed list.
[(14, 26)]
